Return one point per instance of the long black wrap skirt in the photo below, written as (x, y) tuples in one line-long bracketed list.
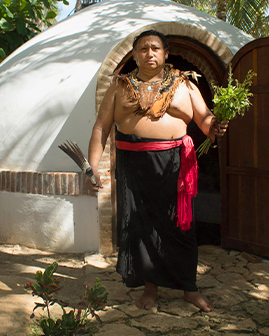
[(151, 246)]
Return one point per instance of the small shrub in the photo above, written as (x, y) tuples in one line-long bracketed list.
[(76, 321)]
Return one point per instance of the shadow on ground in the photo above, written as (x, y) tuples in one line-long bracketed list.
[(238, 288)]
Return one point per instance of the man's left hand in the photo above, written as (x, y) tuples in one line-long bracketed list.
[(217, 129)]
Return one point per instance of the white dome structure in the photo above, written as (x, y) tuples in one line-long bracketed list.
[(50, 91)]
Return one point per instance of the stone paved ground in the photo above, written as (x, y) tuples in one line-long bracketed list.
[(238, 288)]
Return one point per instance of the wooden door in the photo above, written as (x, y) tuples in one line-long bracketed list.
[(245, 159)]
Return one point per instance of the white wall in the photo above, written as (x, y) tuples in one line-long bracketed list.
[(47, 96), (47, 86), (52, 223)]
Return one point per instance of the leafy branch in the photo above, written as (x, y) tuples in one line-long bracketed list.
[(229, 102), (20, 20)]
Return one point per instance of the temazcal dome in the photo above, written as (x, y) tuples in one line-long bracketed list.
[(50, 92)]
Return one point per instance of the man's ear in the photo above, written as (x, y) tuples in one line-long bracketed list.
[(166, 53)]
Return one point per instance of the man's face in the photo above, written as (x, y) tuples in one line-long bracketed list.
[(149, 53)]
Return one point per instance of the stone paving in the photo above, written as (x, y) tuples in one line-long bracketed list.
[(236, 283)]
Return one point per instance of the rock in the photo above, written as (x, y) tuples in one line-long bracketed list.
[(264, 331), (179, 307), (115, 276), (163, 323), (234, 253), (226, 261), (217, 269), (238, 269), (130, 309), (111, 260), (91, 278), (251, 257), (117, 293), (96, 260), (261, 269), (203, 269), (260, 293), (258, 309), (202, 332), (223, 296), (109, 315), (235, 280), (174, 293), (89, 269), (207, 281), (243, 325), (117, 329)]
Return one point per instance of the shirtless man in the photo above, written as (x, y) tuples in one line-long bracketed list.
[(147, 253)]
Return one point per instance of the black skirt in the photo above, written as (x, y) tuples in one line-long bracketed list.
[(151, 247)]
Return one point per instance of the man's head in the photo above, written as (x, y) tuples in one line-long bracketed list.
[(150, 50), (151, 32)]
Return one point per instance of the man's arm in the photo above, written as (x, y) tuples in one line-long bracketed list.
[(203, 117), (100, 132)]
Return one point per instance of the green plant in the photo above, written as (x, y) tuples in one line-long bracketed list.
[(74, 322), (229, 102), (20, 20)]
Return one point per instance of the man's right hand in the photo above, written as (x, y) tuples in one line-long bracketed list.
[(90, 186)]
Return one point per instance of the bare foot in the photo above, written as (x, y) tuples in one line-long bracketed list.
[(148, 298), (199, 300)]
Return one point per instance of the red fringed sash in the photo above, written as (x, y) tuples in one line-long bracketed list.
[(188, 175)]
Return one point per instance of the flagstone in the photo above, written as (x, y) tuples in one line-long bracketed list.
[(163, 323), (243, 325), (130, 309), (117, 329), (109, 315), (178, 307), (223, 296), (207, 281)]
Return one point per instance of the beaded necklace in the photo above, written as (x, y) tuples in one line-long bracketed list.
[(149, 92), (154, 98)]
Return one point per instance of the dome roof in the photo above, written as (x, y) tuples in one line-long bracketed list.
[(48, 85)]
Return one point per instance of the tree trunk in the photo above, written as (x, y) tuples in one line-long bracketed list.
[(222, 10), (78, 6)]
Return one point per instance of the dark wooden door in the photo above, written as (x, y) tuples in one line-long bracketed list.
[(245, 159)]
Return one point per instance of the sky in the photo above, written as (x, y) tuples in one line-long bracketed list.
[(65, 10)]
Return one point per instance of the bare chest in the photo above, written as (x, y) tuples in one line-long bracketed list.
[(179, 107)]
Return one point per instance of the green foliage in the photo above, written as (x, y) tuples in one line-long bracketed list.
[(76, 321), (232, 100), (229, 102), (251, 16), (20, 20)]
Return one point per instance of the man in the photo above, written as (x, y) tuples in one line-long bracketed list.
[(156, 170)]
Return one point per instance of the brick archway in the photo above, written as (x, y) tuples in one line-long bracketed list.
[(199, 47)]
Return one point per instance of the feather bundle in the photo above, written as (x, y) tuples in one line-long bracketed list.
[(72, 150)]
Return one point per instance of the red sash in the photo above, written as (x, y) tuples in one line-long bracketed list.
[(188, 175)]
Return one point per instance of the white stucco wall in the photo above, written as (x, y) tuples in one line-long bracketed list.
[(50, 223), (47, 87), (47, 96)]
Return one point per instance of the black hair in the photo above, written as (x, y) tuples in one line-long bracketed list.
[(149, 33)]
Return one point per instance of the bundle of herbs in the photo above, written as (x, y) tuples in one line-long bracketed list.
[(229, 102)]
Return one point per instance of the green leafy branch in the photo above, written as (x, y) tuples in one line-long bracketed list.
[(229, 102), (20, 20)]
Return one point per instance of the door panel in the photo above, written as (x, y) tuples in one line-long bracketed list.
[(245, 159)]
